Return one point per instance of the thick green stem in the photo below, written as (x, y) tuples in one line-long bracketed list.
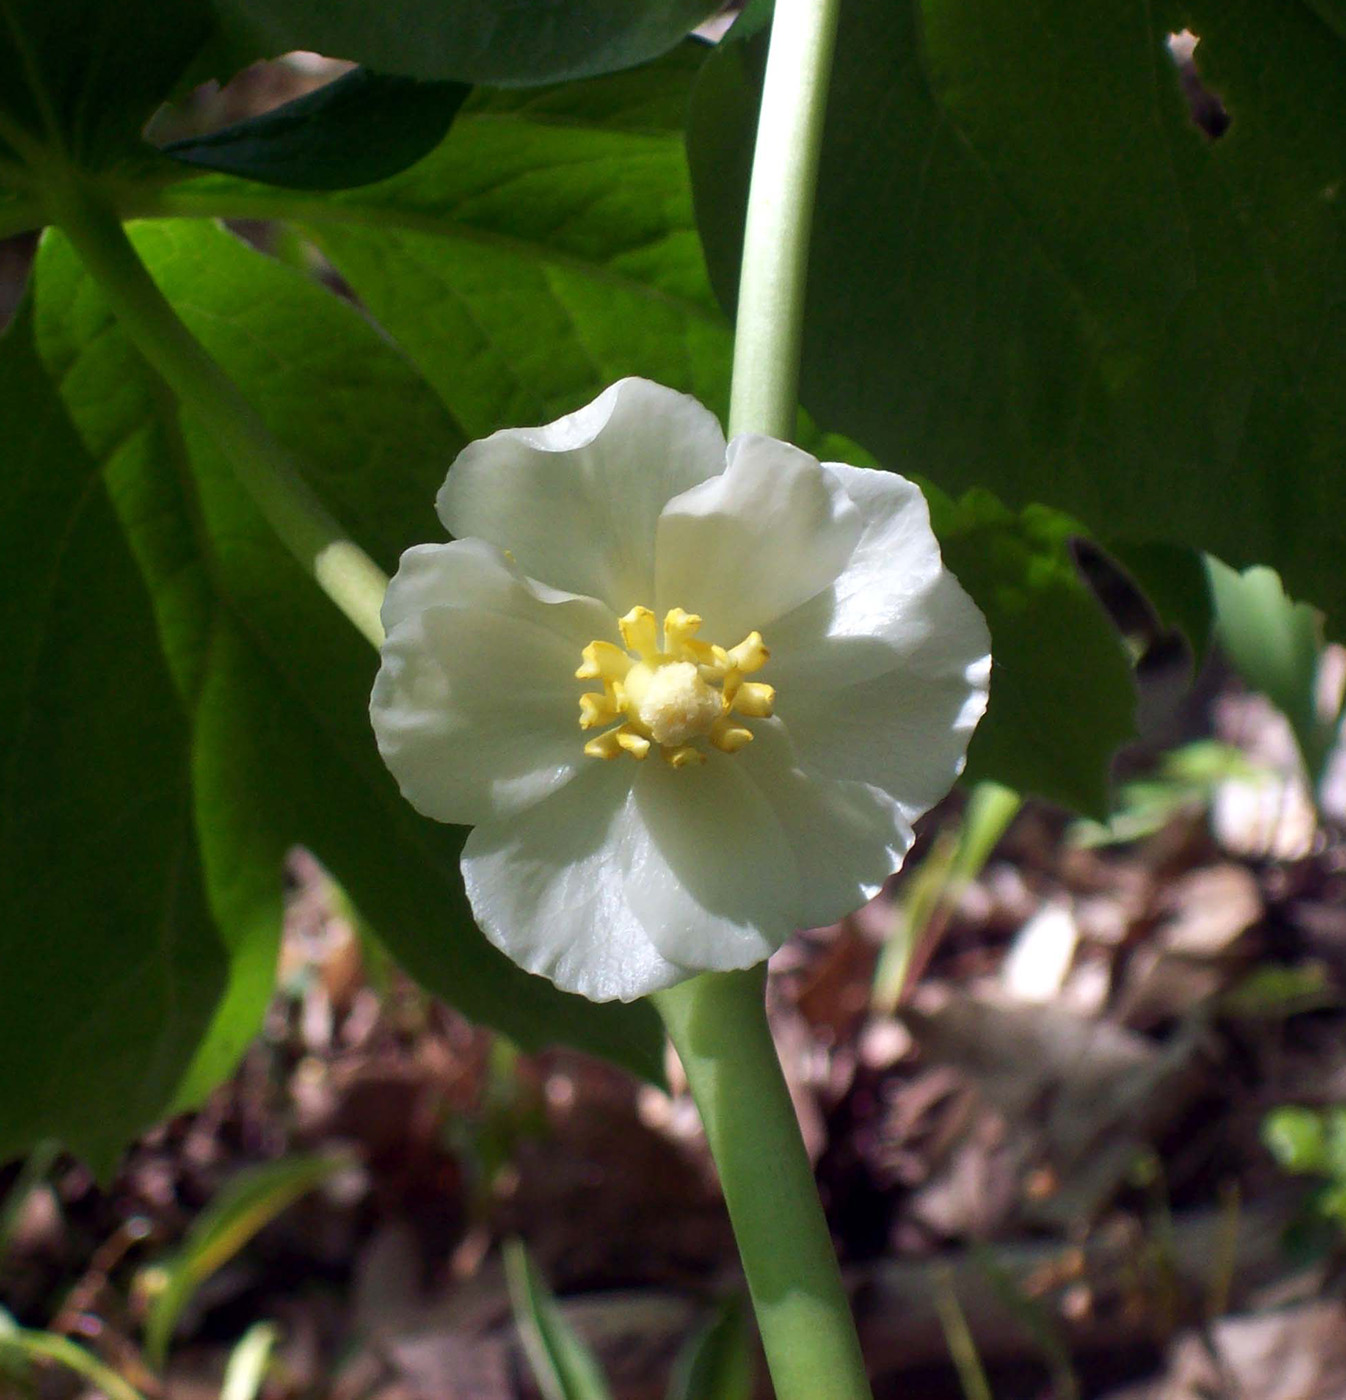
[(261, 464), (718, 1024), (769, 330)]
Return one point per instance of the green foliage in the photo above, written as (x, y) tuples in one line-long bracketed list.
[(548, 247), (1185, 781), (1174, 580), (475, 41), (24, 1345), (544, 250), (196, 779), (1032, 276), (358, 129), (79, 78), (249, 1202), (112, 962), (1276, 645), (1031, 271), (1312, 1142), (718, 1361), (1062, 697), (564, 1368)]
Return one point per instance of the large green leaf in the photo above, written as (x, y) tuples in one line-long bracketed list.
[(475, 41), (79, 78), (548, 248), (1032, 272), (112, 967), (544, 250), (274, 682)]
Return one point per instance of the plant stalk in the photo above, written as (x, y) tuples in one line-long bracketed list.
[(262, 466), (769, 329), (718, 1024)]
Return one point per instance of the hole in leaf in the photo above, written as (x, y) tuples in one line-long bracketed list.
[(1203, 103)]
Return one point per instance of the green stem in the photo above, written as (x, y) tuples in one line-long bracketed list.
[(718, 1025), (769, 329), (261, 464)]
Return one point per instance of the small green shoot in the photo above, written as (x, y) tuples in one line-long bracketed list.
[(250, 1201), (956, 858), (718, 1361), (31, 1345), (563, 1367)]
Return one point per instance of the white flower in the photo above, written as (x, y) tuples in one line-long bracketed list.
[(570, 677)]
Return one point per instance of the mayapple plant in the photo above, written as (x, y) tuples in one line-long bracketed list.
[(661, 699)]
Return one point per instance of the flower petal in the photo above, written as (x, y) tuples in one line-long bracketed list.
[(548, 887), (847, 837), (576, 502), (883, 678), (475, 705), (474, 574), (709, 872), (752, 544)]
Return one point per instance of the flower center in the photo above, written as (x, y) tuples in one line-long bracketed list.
[(677, 696)]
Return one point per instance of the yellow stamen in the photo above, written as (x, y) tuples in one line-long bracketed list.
[(598, 707), (685, 697), (640, 633), (729, 737), (749, 655), (683, 756), (603, 661), (755, 699)]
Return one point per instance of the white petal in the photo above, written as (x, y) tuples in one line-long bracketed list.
[(710, 873), (907, 728), (847, 837), (549, 889), (576, 502), (474, 574), (752, 544), (475, 706), (883, 678)]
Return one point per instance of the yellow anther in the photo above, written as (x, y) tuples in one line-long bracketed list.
[(688, 698), (729, 737), (603, 661), (679, 628), (682, 756), (614, 742), (604, 746), (749, 655), (754, 699), (640, 633), (598, 707), (634, 744)]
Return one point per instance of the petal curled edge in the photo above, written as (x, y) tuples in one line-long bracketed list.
[(577, 501), (710, 872), (883, 679), (549, 888), (475, 706), (749, 546), (847, 837)]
